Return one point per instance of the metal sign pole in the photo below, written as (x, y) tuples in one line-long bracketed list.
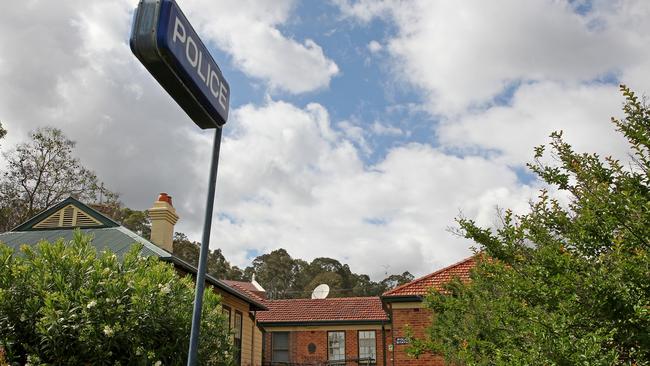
[(167, 45), (203, 256)]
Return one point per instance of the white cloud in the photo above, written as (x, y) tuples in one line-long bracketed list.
[(382, 129), (374, 46), (287, 180), (499, 77), (248, 31), (581, 112), (463, 54), (628, 20), (356, 133)]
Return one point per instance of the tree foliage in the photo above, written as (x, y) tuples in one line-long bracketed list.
[(285, 277), (3, 132), (564, 284), (61, 303), (134, 220), (217, 265), (42, 172)]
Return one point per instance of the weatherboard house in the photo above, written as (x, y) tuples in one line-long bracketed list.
[(59, 221)]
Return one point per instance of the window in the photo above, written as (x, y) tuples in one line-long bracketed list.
[(237, 334), (336, 346), (280, 344), (226, 311), (367, 347)]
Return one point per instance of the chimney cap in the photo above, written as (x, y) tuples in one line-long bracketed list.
[(164, 197)]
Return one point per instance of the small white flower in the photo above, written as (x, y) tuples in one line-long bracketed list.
[(23, 317), (108, 331), (166, 289), (158, 363), (91, 304)]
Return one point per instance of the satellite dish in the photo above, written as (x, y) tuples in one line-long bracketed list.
[(320, 292)]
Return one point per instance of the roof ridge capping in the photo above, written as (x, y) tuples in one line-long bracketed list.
[(328, 298), (399, 290)]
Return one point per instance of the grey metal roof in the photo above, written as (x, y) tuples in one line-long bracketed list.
[(115, 239), (112, 237)]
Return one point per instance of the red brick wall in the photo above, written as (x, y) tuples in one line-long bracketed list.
[(417, 320), (386, 348), (299, 346)]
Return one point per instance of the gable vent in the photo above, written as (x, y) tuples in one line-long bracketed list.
[(51, 221), (69, 216)]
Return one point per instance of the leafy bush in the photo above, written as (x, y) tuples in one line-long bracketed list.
[(61, 303), (563, 285)]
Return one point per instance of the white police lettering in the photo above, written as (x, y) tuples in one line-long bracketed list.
[(214, 81), (195, 58), (222, 96)]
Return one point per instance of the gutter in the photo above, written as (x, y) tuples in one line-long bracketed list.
[(402, 298)]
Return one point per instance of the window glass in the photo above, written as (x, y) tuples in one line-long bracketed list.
[(226, 311), (367, 346), (238, 324), (237, 336), (336, 346), (280, 344)]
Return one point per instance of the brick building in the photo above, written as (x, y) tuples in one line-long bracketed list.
[(335, 331), (357, 330), (405, 309)]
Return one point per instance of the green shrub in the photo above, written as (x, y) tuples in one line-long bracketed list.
[(61, 303)]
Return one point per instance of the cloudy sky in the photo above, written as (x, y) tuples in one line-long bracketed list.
[(358, 129)]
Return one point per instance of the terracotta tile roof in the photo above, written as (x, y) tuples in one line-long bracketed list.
[(241, 284), (421, 286), (247, 288), (349, 309)]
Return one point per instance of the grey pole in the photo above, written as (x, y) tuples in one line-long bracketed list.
[(203, 256)]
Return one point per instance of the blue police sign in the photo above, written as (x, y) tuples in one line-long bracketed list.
[(167, 45)]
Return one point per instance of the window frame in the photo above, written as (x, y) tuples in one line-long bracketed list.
[(329, 359), (241, 336), (274, 349), (374, 332), (225, 309)]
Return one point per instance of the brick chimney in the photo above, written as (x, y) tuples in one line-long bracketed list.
[(163, 217)]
